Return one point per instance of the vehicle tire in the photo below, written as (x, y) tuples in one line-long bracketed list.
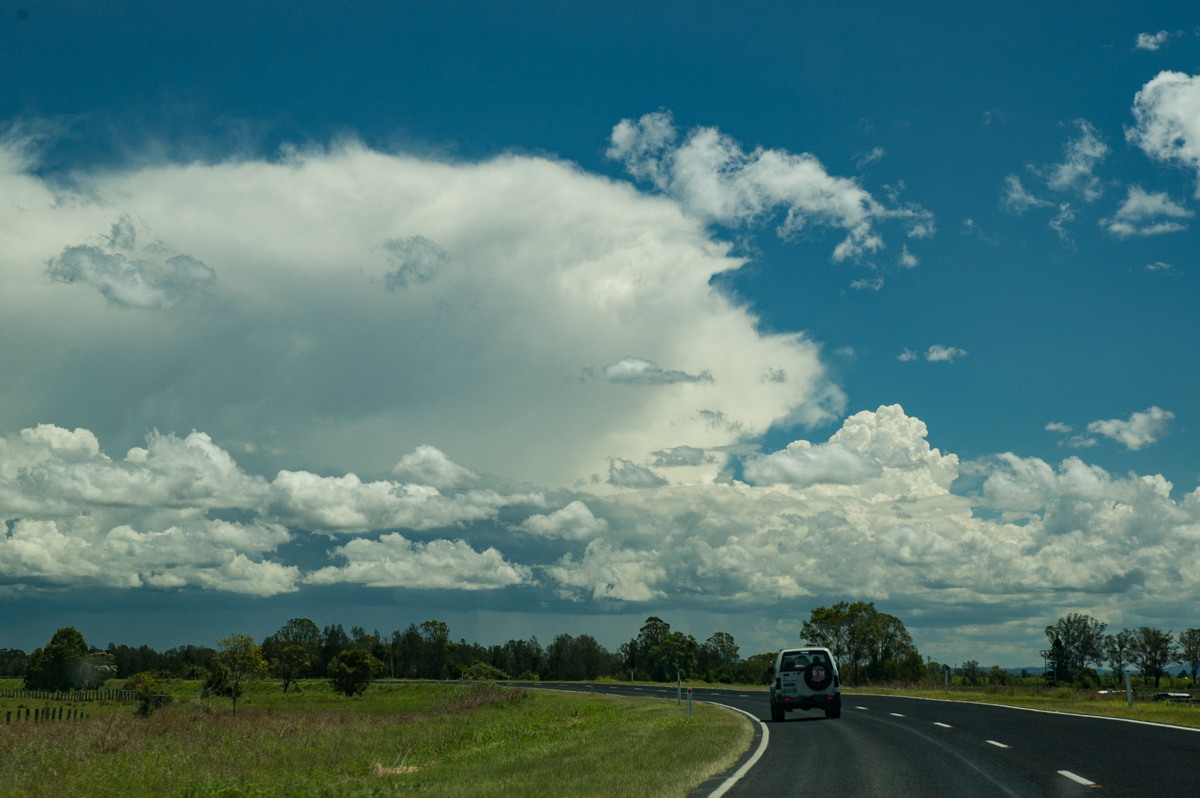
[(834, 710), (777, 713)]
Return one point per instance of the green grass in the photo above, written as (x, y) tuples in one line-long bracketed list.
[(430, 739)]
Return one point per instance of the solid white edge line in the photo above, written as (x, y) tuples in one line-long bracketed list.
[(751, 762), (1077, 779), (998, 745)]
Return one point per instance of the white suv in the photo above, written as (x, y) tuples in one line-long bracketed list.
[(805, 678)]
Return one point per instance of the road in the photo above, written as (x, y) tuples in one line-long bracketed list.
[(889, 746)]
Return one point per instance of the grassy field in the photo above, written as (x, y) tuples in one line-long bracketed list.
[(436, 740)]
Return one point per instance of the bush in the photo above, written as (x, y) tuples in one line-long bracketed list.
[(352, 671), (482, 672)]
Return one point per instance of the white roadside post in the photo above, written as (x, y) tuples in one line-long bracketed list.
[(689, 702)]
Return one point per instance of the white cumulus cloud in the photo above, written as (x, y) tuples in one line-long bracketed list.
[(1136, 432), (1167, 114)]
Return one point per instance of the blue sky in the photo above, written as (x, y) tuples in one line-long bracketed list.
[(542, 317)]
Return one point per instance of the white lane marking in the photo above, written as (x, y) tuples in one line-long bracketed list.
[(998, 745), (864, 709), (743, 695), (751, 762), (897, 715), (1077, 779), (943, 725)]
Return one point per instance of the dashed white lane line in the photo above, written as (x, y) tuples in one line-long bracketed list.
[(864, 709), (1077, 779), (1065, 773)]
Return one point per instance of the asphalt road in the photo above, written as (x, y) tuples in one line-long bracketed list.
[(888, 746)]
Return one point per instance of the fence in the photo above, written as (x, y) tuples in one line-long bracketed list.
[(42, 715), (70, 695)]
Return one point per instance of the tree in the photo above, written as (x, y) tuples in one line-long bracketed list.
[(240, 661), (1080, 640), (1118, 652), (718, 657), (334, 640), (433, 654), (970, 671), (869, 644), (12, 662), (1153, 650), (353, 670), (1189, 651), (659, 654), (579, 658), (291, 650), (67, 663)]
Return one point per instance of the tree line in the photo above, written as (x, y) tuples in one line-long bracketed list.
[(870, 646), (873, 646), (1078, 641), (302, 650)]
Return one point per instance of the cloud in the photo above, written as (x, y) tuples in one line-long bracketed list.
[(1058, 426), (863, 160), (573, 522), (681, 456), (1138, 431), (1081, 155), (803, 464), (516, 273), (636, 371), (416, 259), (625, 474), (935, 354), (346, 504), (429, 466), (395, 561), (944, 354), (128, 276), (1146, 214), (1167, 114), (874, 511), (1016, 199), (717, 181), (1152, 41), (608, 573)]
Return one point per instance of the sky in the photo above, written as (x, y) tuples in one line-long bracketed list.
[(543, 318)]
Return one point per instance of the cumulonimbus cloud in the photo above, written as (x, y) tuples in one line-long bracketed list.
[(453, 302)]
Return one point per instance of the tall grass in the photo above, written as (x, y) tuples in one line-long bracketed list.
[(438, 740)]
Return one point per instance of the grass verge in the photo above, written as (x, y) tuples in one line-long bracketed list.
[(432, 739)]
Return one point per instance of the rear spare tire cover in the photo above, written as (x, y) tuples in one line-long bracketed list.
[(818, 676)]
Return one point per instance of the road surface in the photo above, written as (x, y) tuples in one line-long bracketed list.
[(889, 746)]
